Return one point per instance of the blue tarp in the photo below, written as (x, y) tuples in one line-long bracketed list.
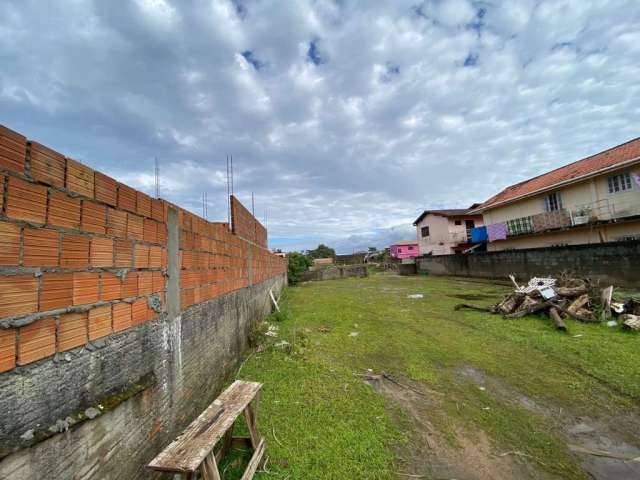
[(479, 234)]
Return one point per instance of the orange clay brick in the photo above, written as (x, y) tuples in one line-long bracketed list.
[(85, 288), (101, 252), (110, 287), (37, 340), (13, 150), (106, 189), (94, 217), (135, 229), (130, 285), (18, 295), (186, 298), (150, 231), (26, 201), (162, 233), (72, 331), (158, 282), (141, 256), (121, 316), (139, 311), (157, 210), (64, 211), (126, 198), (41, 247), (75, 251), (145, 283), (2, 177), (99, 322), (155, 256), (56, 291), (79, 178), (7, 349), (47, 166), (116, 223), (124, 253), (143, 204), (9, 244)]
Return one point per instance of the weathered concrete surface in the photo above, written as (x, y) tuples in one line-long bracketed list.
[(611, 263), (188, 358), (335, 272)]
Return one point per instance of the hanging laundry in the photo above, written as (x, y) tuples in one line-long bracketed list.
[(497, 231), (479, 234)]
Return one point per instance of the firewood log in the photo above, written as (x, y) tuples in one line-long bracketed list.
[(557, 320)]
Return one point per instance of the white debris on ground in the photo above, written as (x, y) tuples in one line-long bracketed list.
[(272, 331), (415, 295), (354, 334)]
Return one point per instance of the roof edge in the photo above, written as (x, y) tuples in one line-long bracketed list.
[(556, 185)]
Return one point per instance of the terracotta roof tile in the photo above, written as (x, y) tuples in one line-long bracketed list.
[(581, 168)]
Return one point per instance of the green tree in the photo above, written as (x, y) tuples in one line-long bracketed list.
[(322, 252), (298, 264)]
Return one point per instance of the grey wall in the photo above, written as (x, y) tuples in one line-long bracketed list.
[(617, 263), (179, 365), (334, 272)]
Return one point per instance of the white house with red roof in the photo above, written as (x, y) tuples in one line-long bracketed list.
[(593, 200)]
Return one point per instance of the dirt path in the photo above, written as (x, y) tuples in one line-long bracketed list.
[(430, 454), (433, 456)]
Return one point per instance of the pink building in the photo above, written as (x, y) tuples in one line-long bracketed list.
[(405, 249)]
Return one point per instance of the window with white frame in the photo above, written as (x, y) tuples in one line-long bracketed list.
[(619, 183), (553, 202)]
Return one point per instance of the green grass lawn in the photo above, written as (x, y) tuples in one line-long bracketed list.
[(322, 422)]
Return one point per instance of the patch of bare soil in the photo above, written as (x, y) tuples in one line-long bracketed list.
[(600, 444), (430, 455)]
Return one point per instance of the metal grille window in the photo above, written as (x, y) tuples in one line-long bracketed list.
[(519, 226), (619, 183), (553, 202), (425, 231)]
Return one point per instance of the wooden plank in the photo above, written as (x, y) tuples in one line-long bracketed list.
[(251, 426), (241, 442), (209, 468), (254, 462), (188, 451)]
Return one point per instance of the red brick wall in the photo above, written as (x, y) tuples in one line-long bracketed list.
[(245, 225), (80, 253)]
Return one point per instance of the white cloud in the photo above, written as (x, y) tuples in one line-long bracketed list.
[(415, 105)]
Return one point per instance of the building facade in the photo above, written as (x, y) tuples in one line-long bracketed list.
[(593, 200), (404, 249), (444, 232)]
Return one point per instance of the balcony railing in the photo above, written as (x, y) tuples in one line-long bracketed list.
[(604, 210)]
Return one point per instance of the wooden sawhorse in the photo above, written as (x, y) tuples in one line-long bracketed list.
[(193, 450)]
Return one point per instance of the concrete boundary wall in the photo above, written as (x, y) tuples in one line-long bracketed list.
[(120, 315), (616, 263), (334, 272)]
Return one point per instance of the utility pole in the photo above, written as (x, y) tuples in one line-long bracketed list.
[(157, 175)]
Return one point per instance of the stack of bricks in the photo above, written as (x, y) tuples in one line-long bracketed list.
[(246, 226), (213, 261), (79, 253), (83, 256)]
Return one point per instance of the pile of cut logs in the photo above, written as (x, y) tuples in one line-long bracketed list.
[(564, 297)]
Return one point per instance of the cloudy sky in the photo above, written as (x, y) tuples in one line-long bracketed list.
[(346, 118)]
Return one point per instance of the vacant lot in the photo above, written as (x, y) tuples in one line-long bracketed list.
[(378, 385)]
